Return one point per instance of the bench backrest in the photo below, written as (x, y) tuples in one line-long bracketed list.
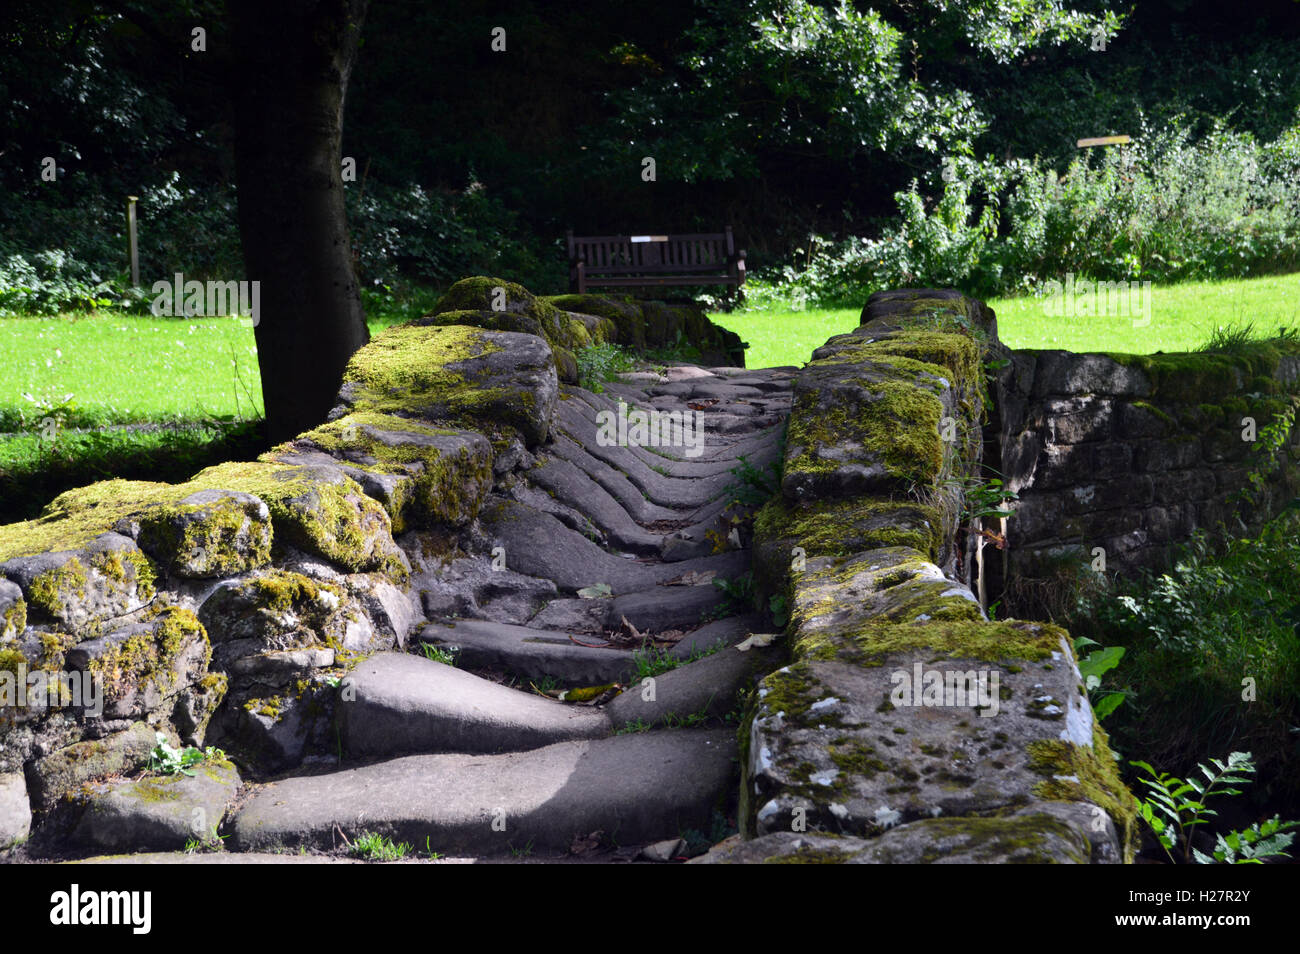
[(621, 254)]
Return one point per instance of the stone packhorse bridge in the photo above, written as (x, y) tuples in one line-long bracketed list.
[(647, 648)]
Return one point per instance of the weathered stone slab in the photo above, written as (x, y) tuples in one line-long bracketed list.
[(532, 653), (394, 703), (158, 813), (644, 786), (705, 688), (65, 770)]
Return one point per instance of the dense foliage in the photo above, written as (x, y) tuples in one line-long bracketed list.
[(849, 145)]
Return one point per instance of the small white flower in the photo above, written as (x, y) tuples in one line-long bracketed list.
[(886, 817)]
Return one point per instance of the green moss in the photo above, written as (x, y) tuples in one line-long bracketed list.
[(955, 357), (1098, 781), (11, 659), (150, 656), (789, 691), (413, 357), (854, 757), (323, 513), (1023, 839), (852, 525), (899, 430), (14, 620), (153, 790), (112, 565), (1163, 416), (1187, 377), (48, 589), (954, 639), (810, 856)]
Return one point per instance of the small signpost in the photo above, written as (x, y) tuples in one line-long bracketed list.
[(131, 251), (1104, 141)]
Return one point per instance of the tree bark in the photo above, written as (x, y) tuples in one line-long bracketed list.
[(291, 64)]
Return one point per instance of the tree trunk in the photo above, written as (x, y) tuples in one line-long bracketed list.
[(291, 63)]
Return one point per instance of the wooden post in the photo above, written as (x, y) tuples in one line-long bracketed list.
[(131, 250)]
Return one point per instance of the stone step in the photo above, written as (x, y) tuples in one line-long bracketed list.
[(634, 787), (570, 486), (400, 703), (531, 653), (707, 687), (614, 481), (668, 607), (538, 545), (727, 631)]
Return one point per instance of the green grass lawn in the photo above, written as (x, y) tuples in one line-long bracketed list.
[(1182, 319), (127, 368), (193, 382)]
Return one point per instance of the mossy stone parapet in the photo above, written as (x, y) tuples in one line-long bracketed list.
[(864, 427), (909, 728), (787, 534), (855, 742), (651, 325), (208, 534)]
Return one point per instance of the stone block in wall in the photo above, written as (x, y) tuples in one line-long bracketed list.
[(840, 528), (64, 770), (845, 739), (1175, 453), (1035, 518), (1078, 419), (1100, 523), (109, 577), (206, 534), (422, 475), (1135, 491), (1070, 374), (279, 612), (144, 665), (1170, 523), (1040, 833), (1141, 419), (1224, 445), (1176, 486), (1060, 466), (1111, 461), (1122, 546), (836, 595), (917, 307), (156, 813), (865, 426)]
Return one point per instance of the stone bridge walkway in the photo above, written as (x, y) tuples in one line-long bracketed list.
[(598, 562)]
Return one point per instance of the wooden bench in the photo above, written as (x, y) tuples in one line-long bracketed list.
[(646, 261)]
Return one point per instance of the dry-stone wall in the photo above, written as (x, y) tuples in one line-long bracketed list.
[(1118, 458), (907, 727)]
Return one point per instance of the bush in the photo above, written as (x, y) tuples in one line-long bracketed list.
[(438, 237), (1164, 209), (1213, 657)]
